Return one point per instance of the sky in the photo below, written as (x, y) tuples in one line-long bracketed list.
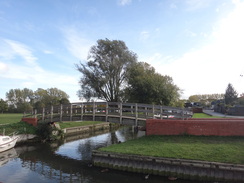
[(199, 43)]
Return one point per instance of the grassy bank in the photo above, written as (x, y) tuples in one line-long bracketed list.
[(206, 148), (10, 118), (75, 124), (217, 149), (203, 115), (11, 122)]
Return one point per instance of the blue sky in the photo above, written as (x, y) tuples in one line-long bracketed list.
[(199, 43)]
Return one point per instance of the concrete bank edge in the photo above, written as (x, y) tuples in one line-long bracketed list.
[(181, 168)]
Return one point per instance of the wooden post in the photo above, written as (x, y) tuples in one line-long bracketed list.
[(153, 111), (120, 113), (136, 113), (51, 120), (35, 112), (43, 114), (182, 114), (81, 117), (106, 111), (61, 112), (93, 111), (71, 112), (161, 111)]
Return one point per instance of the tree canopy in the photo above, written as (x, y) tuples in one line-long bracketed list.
[(230, 95), (3, 106), (147, 86), (103, 76), (206, 99), (113, 74), (20, 100)]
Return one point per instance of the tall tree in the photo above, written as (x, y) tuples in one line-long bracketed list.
[(3, 106), (230, 95), (50, 96), (147, 86), (103, 76), (20, 99)]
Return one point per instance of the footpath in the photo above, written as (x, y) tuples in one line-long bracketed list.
[(212, 113)]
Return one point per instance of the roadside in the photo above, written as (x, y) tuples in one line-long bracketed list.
[(212, 113)]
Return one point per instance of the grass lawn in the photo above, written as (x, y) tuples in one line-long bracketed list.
[(80, 123), (10, 122), (203, 115), (206, 148), (10, 118)]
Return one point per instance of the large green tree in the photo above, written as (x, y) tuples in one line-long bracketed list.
[(50, 96), (206, 99), (230, 95), (147, 86), (103, 75), (20, 100), (3, 106)]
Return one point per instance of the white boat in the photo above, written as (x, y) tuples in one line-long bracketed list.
[(7, 142)]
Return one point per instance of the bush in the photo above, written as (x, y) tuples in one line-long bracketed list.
[(47, 131)]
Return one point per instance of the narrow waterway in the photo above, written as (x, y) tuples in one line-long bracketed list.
[(68, 160)]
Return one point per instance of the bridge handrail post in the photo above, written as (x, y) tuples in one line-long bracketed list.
[(153, 111), (93, 111), (120, 112), (81, 112), (35, 112), (182, 114), (61, 113), (161, 111), (136, 114), (71, 112), (51, 113), (43, 114), (106, 112)]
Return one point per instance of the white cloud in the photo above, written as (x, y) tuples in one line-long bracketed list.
[(3, 68), (76, 44), (15, 74), (193, 5), (124, 2), (144, 35), (209, 69), (189, 33), (47, 52), (22, 50)]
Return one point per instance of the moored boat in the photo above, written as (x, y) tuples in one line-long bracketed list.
[(7, 142)]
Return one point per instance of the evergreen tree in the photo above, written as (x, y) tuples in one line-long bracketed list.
[(230, 95)]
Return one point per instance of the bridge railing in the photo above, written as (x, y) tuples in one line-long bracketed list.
[(136, 111)]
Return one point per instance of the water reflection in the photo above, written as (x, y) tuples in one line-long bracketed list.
[(67, 161)]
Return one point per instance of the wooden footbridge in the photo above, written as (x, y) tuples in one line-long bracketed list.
[(124, 113)]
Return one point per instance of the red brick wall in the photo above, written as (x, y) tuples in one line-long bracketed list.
[(32, 121), (230, 127)]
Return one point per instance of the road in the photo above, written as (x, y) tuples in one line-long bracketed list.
[(212, 113)]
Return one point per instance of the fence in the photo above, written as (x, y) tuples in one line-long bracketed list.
[(109, 112)]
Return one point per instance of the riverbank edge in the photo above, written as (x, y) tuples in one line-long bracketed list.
[(180, 168), (90, 128), (70, 131)]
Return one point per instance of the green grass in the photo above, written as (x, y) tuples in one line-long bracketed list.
[(11, 122), (10, 118), (20, 127), (206, 148), (75, 124), (203, 115)]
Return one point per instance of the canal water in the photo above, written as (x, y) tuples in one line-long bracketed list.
[(68, 160)]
